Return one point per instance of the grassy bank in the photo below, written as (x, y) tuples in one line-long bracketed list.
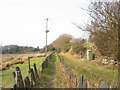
[(7, 78), (51, 78), (94, 73)]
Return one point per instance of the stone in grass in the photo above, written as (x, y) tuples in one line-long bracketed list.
[(103, 85)]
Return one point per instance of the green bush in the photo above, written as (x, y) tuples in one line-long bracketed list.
[(51, 48), (76, 49), (79, 49), (67, 48)]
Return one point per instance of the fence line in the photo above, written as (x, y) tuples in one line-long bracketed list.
[(29, 80), (75, 80), (5, 85)]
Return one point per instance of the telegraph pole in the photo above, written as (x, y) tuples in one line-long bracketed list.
[(46, 35)]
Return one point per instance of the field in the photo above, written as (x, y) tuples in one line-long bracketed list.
[(7, 78), (8, 60)]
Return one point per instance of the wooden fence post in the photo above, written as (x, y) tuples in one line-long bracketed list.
[(81, 81), (29, 62), (19, 79), (50, 56), (76, 82), (42, 67), (30, 76), (14, 76), (15, 87), (27, 83), (84, 84), (46, 63), (36, 72), (33, 75)]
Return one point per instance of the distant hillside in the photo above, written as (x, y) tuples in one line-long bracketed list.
[(63, 42), (12, 49)]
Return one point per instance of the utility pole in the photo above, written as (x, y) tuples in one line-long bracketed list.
[(46, 35)]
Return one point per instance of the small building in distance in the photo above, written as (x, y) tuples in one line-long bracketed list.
[(89, 54)]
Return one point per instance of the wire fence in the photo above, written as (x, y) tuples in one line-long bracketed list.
[(73, 76), (75, 81), (26, 77), (8, 82)]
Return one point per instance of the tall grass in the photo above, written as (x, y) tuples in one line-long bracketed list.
[(94, 73), (52, 77)]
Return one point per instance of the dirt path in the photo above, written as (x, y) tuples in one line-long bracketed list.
[(47, 78), (58, 75), (65, 83), (54, 76)]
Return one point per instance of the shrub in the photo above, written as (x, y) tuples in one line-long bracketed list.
[(67, 48)]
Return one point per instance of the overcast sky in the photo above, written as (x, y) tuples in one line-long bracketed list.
[(22, 22)]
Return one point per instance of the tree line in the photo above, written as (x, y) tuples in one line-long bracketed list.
[(15, 49), (67, 43)]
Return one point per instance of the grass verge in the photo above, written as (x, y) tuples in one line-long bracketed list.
[(51, 78), (94, 73)]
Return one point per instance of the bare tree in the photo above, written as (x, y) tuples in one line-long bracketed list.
[(104, 27)]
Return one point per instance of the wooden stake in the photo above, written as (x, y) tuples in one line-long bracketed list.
[(19, 79), (36, 72), (27, 82)]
